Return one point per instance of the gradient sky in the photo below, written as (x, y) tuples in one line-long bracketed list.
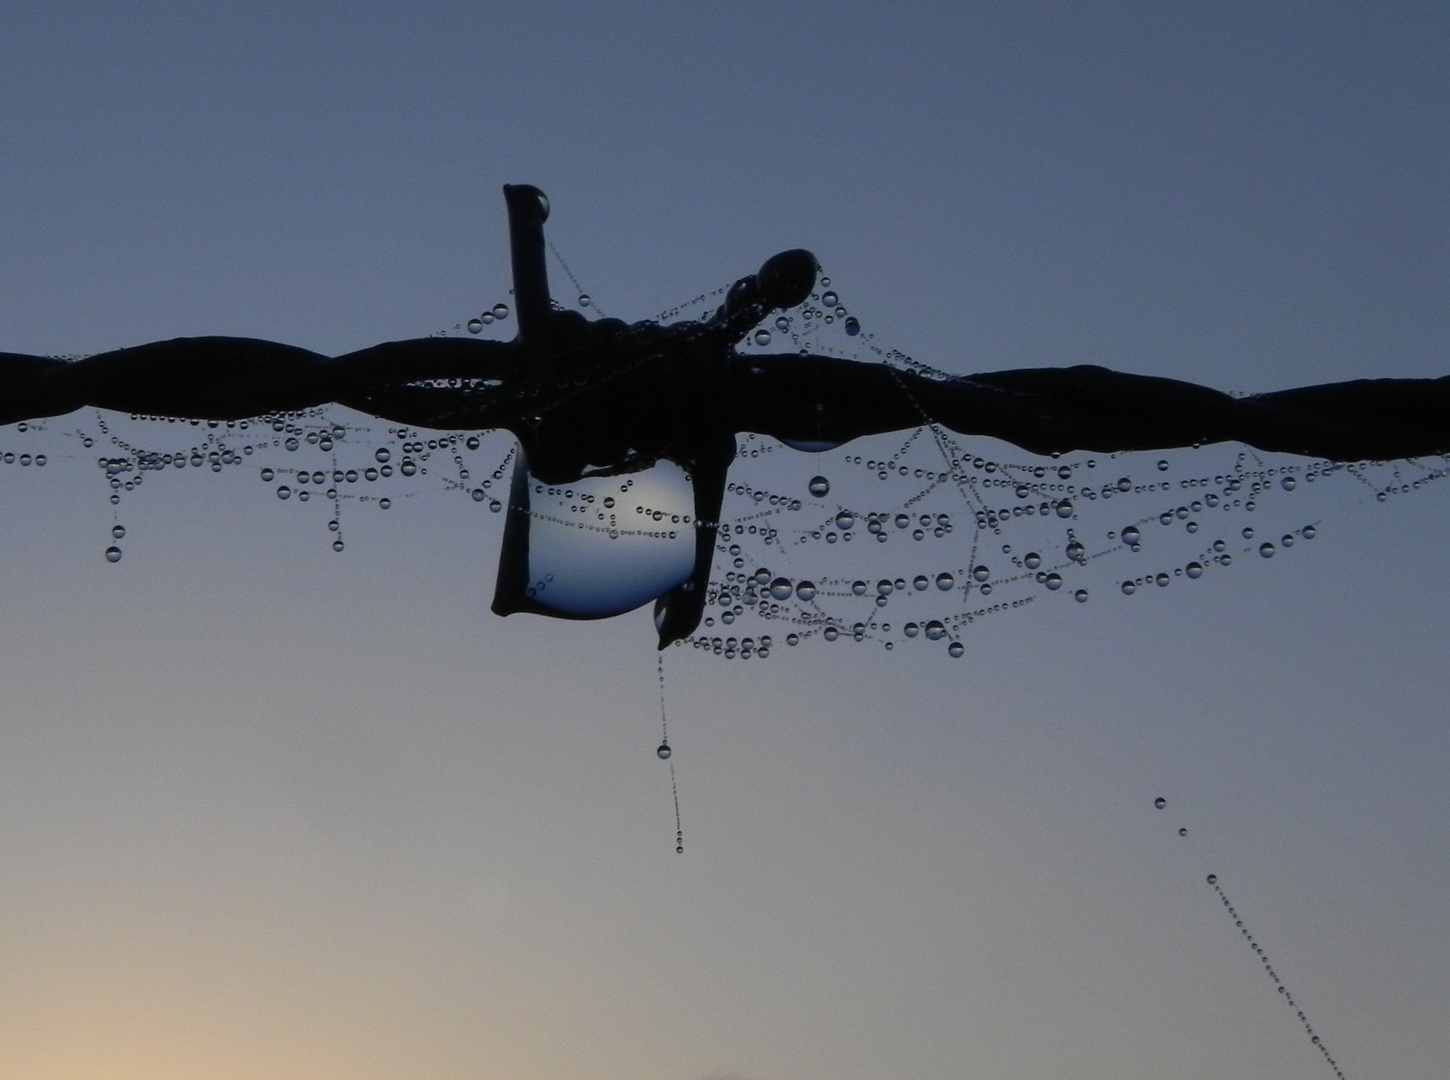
[(271, 812)]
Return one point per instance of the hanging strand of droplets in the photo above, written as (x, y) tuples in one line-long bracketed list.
[(664, 753), (1278, 982)]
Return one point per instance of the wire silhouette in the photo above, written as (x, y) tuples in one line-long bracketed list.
[(605, 397)]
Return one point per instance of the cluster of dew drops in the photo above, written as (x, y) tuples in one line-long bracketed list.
[(912, 538)]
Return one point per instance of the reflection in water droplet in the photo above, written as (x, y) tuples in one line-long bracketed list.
[(1288, 483), (845, 519), (1194, 570), (1053, 582), (584, 300), (819, 486), (475, 326), (118, 531), (113, 554), (956, 649), (1131, 535), (945, 581), (935, 630), (980, 573), (780, 589), (1129, 588), (858, 588), (853, 326), (1266, 549), (806, 591), (1080, 596), (782, 323), (1159, 803), (500, 311), (1032, 560), (664, 751), (1309, 532), (830, 299), (762, 336), (1064, 509), (1163, 465)]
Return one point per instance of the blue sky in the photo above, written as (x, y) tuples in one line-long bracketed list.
[(266, 810)]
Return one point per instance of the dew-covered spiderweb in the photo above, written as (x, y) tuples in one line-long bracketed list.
[(906, 540)]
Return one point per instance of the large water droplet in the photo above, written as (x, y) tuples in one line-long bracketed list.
[(383, 454), (858, 588), (1032, 560), (1159, 803), (945, 582), (1194, 570), (1213, 879), (584, 300), (819, 486), (113, 554), (935, 630), (1266, 549), (980, 573), (118, 531), (1064, 509), (1129, 588), (1132, 536), (780, 589), (845, 519), (500, 311), (830, 299), (1053, 582), (853, 326), (762, 336), (806, 591), (664, 751), (475, 326), (1081, 596), (955, 650)]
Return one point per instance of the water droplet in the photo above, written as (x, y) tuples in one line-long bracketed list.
[(500, 311), (830, 299), (664, 751), (1053, 582), (858, 588), (1162, 580), (1129, 588), (1064, 509), (1163, 465), (284, 492), (1032, 560), (1131, 535), (955, 650), (1309, 532), (782, 323), (118, 531), (113, 554), (1182, 832), (945, 582), (792, 639), (1213, 879), (1125, 484), (935, 630), (780, 589), (1288, 483), (1080, 596), (819, 486), (762, 336), (806, 591), (845, 519), (584, 300), (337, 545), (911, 629), (1194, 570), (268, 475), (383, 454), (853, 326), (1159, 803), (831, 633), (1266, 550), (475, 326), (980, 573)]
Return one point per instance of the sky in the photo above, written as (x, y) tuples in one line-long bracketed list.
[(267, 810)]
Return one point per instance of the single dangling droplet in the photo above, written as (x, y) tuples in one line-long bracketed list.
[(664, 751)]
